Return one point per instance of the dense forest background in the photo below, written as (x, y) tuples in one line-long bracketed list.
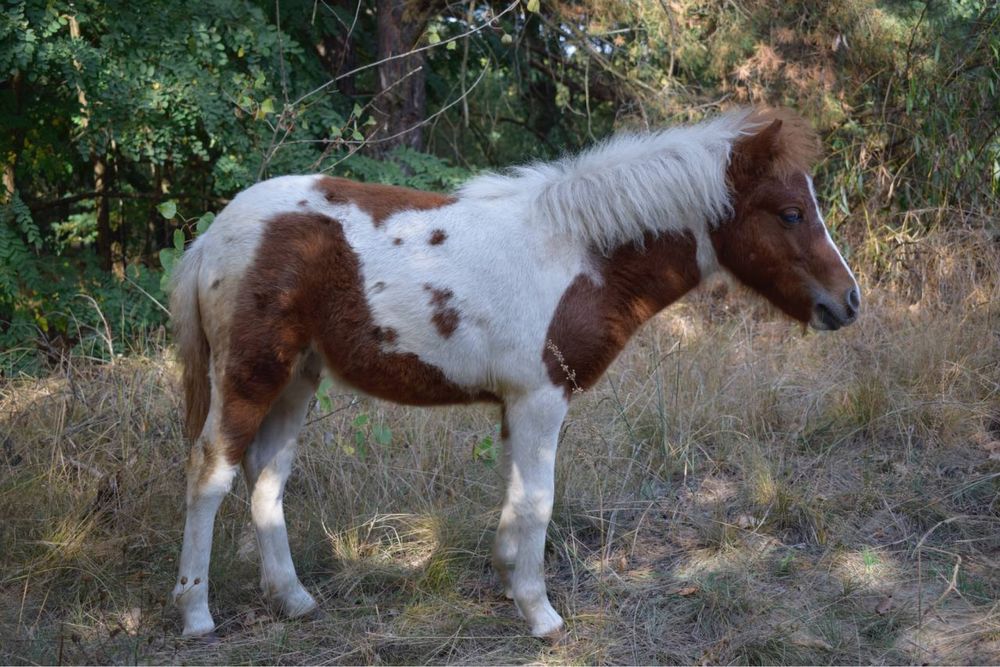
[(126, 124)]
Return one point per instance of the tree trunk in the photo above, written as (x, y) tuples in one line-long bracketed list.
[(10, 164), (400, 102), (103, 210)]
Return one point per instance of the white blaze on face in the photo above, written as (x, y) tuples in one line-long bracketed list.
[(829, 239)]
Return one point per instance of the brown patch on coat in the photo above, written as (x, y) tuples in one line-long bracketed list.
[(303, 202), (305, 288), (445, 318), (397, 241), (437, 237), (379, 201), (594, 320)]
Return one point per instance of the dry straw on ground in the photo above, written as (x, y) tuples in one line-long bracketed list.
[(733, 492)]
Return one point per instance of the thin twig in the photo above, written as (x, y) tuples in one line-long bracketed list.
[(407, 54)]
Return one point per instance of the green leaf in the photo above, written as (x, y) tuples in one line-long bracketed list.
[(533, 6), (357, 136), (203, 223), (360, 420), (452, 45), (179, 240), (267, 106), (168, 257), (383, 434), (485, 451), (357, 110), (167, 209)]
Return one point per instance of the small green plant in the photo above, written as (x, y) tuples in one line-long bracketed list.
[(323, 395), (170, 256), (869, 558), (364, 431), (485, 449)]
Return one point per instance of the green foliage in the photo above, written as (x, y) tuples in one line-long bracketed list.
[(366, 432), (120, 116), (408, 168)]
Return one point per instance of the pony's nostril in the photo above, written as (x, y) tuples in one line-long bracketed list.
[(853, 302)]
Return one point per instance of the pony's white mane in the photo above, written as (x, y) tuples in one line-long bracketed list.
[(629, 185)]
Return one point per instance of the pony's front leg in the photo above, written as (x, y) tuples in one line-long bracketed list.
[(533, 422)]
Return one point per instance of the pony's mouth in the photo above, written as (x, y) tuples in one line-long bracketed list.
[(824, 319), (829, 316)]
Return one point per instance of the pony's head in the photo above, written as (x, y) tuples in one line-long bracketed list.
[(776, 241)]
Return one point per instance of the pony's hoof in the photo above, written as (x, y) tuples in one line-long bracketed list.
[(198, 627), (208, 637), (295, 604), (547, 623), (317, 613)]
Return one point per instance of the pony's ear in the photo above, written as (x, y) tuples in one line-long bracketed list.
[(763, 146), (753, 155)]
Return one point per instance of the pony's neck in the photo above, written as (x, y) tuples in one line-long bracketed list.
[(597, 317)]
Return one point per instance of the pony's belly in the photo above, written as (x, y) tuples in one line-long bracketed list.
[(402, 378)]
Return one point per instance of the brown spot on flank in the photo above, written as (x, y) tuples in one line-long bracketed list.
[(397, 241), (439, 297), (437, 237), (594, 320), (305, 289), (197, 580), (386, 335), (445, 318), (379, 201), (303, 202), (216, 283), (184, 581)]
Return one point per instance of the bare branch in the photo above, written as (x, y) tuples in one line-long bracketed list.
[(443, 42)]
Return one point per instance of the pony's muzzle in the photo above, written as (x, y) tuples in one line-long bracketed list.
[(830, 315)]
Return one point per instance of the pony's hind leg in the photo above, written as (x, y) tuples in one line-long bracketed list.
[(533, 421), (267, 465), (233, 419), (209, 478)]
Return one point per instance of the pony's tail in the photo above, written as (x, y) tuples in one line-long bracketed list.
[(192, 345)]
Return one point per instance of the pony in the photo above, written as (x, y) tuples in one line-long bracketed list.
[(518, 289)]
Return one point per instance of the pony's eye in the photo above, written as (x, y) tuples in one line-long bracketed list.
[(791, 216)]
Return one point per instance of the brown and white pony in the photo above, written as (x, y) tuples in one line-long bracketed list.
[(518, 290)]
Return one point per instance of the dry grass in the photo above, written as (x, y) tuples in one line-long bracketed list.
[(734, 492)]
